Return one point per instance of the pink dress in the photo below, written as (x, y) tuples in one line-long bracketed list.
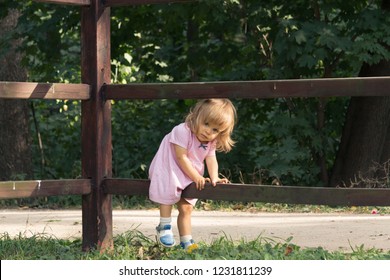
[(167, 180)]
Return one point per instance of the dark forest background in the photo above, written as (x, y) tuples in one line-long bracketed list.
[(310, 142)]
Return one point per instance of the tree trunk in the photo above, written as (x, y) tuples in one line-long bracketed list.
[(363, 159), (15, 154), (364, 149)]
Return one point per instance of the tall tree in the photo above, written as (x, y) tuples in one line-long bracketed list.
[(364, 153), (15, 154)]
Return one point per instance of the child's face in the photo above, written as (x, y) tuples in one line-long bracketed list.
[(207, 131)]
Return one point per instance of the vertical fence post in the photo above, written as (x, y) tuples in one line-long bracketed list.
[(96, 125)]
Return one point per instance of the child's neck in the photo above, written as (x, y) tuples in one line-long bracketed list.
[(203, 142)]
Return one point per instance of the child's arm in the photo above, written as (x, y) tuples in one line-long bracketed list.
[(212, 167), (186, 166)]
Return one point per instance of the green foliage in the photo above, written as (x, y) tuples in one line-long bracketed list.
[(279, 141), (138, 128), (38, 247), (51, 41), (284, 140), (133, 245), (330, 39), (58, 126)]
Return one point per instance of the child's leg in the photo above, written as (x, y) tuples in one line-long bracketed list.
[(165, 211), (184, 218), (164, 229), (184, 223)]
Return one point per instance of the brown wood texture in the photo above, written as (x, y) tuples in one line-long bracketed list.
[(24, 90), (22, 189), (96, 125), (373, 86), (294, 195), (112, 3), (126, 186), (261, 193), (67, 2)]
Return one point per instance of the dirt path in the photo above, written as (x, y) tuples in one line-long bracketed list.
[(330, 231)]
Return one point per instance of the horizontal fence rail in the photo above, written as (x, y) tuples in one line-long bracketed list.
[(112, 3), (67, 2), (261, 193), (126, 186), (37, 188), (22, 90), (342, 87)]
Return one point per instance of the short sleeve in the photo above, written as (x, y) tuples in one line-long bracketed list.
[(181, 135), (213, 147)]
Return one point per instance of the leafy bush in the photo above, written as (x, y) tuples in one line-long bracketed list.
[(281, 141)]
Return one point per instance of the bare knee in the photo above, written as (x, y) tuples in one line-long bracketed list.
[(184, 207)]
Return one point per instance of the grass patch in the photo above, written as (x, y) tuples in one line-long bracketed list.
[(133, 245)]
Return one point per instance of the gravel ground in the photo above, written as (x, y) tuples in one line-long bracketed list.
[(330, 231)]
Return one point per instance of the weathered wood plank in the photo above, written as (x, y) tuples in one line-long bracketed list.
[(112, 3), (372, 86), (294, 195), (21, 189), (260, 193), (24, 90), (67, 2), (96, 125), (126, 186)]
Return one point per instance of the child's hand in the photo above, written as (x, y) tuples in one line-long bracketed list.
[(200, 182), (219, 180)]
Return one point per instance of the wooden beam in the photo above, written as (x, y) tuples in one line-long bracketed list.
[(21, 189), (372, 86), (67, 2), (261, 193), (96, 125), (21, 90), (126, 186), (294, 195), (112, 3)]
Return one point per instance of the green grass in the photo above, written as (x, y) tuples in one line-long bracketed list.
[(133, 245)]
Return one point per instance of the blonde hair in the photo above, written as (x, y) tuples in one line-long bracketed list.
[(218, 111)]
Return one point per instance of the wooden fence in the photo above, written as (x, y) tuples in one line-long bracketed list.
[(98, 186)]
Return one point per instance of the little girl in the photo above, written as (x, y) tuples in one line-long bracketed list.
[(180, 161)]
